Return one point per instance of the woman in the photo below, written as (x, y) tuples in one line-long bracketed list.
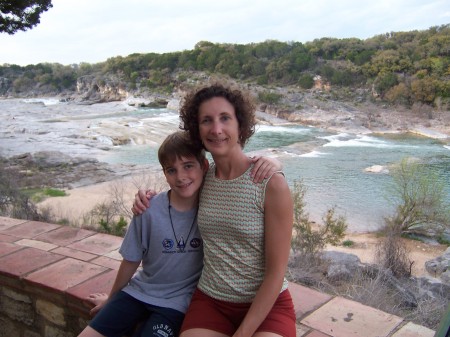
[(246, 227)]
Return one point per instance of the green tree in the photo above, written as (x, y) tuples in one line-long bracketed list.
[(424, 90), (21, 15), (385, 81), (398, 94), (419, 196), (306, 81)]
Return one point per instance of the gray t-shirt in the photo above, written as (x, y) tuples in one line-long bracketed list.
[(169, 273)]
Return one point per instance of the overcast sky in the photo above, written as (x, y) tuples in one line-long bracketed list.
[(76, 31)]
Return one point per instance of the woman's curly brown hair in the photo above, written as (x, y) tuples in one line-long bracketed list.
[(243, 107)]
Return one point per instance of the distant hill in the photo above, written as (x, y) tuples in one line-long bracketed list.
[(398, 68)]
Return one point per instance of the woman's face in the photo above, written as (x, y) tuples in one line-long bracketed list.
[(218, 126)]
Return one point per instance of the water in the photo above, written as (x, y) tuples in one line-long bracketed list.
[(331, 166)]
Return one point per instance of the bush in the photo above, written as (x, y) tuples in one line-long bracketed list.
[(348, 243), (306, 81), (420, 198), (269, 97), (117, 228), (306, 239), (393, 255)]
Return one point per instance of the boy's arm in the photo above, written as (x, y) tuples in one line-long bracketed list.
[(264, 168), (124, 275)]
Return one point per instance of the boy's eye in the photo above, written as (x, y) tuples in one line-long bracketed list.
[(188, 166), (170, 171)]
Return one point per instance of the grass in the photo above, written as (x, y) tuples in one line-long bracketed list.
[(39, 194), (348, 243), (52, 192)]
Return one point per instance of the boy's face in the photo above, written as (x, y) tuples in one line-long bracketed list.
[(185, 177)]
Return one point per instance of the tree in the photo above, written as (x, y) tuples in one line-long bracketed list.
[(419, 196), (21, 15)]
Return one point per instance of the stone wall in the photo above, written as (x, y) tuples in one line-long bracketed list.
[(46, 271), (27, 310)]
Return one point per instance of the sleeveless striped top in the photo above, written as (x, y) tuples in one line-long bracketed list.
[(231, 222)]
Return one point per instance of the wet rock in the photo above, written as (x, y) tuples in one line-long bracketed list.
[(56, 169)]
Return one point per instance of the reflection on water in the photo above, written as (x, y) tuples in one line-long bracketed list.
[(330, 165)]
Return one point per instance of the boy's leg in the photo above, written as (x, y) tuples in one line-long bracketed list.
[(163, 322), (89, 332), (119, 316)]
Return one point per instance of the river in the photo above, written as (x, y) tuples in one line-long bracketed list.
[(331, 165)]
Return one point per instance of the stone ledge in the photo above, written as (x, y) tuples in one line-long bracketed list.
[(47, 270)]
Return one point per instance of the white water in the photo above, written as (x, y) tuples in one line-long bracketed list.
[(332, 166)]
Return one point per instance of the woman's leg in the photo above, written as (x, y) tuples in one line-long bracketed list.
[(202, 333)]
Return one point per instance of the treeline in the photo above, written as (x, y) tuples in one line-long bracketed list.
[(399, 67)]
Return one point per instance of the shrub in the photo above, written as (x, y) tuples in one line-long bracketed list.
[(306, 81), (348, 243), (420, 198), (117, 228), (269, 97), (309, 240), (393, 255)]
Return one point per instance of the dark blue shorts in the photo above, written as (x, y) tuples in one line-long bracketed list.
[(123, 313)]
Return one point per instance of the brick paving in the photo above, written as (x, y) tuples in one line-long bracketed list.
[(77, 262)]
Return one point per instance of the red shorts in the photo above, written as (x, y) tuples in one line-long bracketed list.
[(208, 313)]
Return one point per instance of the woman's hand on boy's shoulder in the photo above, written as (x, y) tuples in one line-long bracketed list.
[(264, 167), (142, 201)]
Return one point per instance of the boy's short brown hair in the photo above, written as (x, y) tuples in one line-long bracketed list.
[(177, 145)]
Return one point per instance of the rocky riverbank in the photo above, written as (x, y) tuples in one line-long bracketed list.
[(61, 144)]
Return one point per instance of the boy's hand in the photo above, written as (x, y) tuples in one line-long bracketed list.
[(141, 201), (264, 167), (98, 300)]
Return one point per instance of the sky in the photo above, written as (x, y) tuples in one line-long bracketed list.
[(76, 31)]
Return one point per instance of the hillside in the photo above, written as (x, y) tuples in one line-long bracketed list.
[(401, 68), (398, 81)]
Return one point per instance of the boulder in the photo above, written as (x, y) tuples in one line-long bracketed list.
[(341, 266), (439, 267)]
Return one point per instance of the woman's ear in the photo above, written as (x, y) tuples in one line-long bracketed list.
[(205, 166)]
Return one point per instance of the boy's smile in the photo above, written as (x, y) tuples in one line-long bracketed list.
[(185, 177)]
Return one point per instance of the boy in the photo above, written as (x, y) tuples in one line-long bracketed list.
[(165, 238)]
